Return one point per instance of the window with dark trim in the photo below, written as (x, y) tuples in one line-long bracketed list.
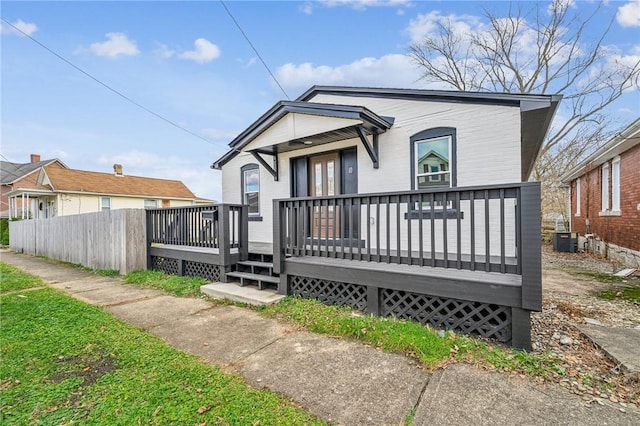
[(433, 158), (433, 166), (250, 183)]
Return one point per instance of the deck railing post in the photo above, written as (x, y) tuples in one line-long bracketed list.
[(278, 237), (373, 300), (224, 244), (530, 225), (244, 232)]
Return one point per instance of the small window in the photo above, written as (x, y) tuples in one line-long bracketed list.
[(615, 184), (150, 204), (578, 197), (433, 164), (432, 157), (105, 203), (605, 187), (251, 188)]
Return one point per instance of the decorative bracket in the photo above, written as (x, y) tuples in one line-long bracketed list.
[(273, 170), (372, 148)]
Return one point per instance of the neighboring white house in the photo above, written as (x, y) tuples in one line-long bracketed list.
[(344, 140), (61, 192)]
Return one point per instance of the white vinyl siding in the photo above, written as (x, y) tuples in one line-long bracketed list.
[(485, 135), (295, 126)]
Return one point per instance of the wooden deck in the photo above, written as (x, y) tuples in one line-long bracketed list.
[(487, 287), (477, 273)]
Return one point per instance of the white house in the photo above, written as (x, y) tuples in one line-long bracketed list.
[(405, 203), (344, 140)]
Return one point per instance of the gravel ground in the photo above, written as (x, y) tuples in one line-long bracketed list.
[(568, 300)]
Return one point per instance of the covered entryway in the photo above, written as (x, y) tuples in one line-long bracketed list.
[(324, 181), (326, 175)]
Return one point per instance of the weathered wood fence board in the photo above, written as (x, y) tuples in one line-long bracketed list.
[(113, 239)]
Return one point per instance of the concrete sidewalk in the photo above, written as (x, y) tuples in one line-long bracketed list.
[(339, 381)]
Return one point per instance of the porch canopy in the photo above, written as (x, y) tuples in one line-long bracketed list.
[(293, 125), (24, 202)]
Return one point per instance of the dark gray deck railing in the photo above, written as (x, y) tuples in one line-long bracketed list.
[(220, 226), (494, 228)]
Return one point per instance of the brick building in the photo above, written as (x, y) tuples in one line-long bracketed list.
[(20, 175), (605, 198)]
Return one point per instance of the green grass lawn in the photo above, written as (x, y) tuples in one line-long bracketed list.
[(410, 338), (11, 279), (621, 288), (64, 362), (630, 293), (423, 343), (180, 286)]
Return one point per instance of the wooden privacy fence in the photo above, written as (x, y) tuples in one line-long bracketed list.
[(112, 239)]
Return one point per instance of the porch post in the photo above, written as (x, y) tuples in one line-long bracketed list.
[(373, 300), (244, 232), (531, 246), (278, 229), (223, 234), (521, 329)]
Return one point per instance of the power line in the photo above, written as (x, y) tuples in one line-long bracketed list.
[(254, 49), (122, 95)]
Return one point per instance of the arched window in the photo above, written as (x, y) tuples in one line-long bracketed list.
[(433, 158), (250, 183)]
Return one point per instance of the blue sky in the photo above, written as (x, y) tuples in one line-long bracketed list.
[(188, 62)]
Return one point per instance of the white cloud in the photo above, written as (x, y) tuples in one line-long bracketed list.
[(427, 25), (204, 52), (308, 6), (117, 44), (247, 63), (27, 28), (392, 70), (164, 52), (560, 5), (629, 14)]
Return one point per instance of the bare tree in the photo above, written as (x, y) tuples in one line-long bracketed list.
[(542, 50)]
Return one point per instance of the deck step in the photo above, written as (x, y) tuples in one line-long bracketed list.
[(261, 279), (256, 263)]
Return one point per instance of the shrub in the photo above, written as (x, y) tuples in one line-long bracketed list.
[(4, 232)]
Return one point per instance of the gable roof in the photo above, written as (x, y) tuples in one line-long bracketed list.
[(536, 113), (422, 94), (621, 142), (366, 117), (11, 172), (69, 180)]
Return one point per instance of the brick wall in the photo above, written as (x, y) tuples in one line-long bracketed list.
[(623, 229)]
